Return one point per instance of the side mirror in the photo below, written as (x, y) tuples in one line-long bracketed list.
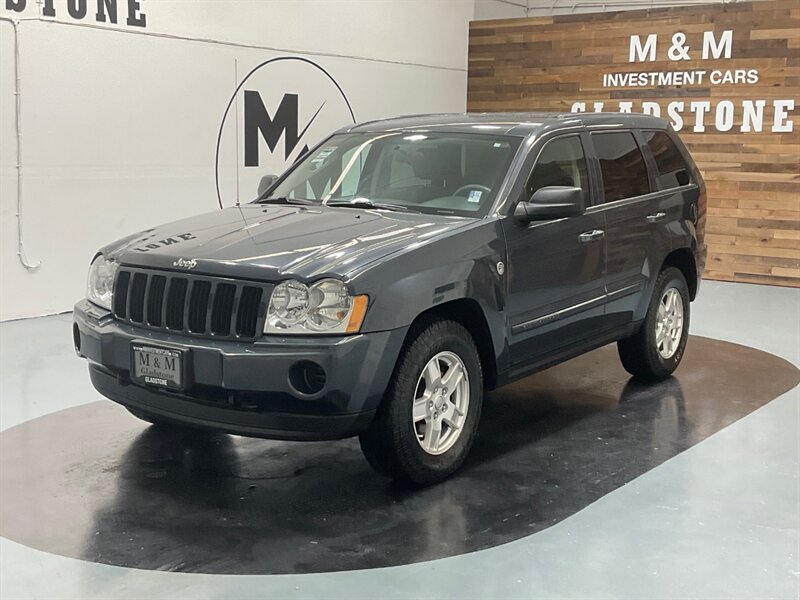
[(552, 202), (266, 183)]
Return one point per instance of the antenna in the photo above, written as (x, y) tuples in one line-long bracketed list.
[(236, 113)]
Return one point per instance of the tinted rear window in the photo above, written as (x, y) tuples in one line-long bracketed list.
[(622, 165), (672, 169)]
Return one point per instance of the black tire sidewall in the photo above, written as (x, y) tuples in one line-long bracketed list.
[(670, 278), (453, 339)]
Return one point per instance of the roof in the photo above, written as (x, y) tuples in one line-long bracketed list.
[(518, 124)]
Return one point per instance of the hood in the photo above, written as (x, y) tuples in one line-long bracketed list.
[(271, 242)]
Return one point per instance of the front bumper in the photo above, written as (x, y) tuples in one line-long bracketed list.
[(244, 387)]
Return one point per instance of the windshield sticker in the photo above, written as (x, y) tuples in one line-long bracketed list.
[(322, 155), (474, 196)]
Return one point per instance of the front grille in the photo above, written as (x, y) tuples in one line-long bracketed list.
[(192, 304)]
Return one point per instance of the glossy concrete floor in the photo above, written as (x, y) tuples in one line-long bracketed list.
[(598, 489)]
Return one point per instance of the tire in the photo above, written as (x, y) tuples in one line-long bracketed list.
[(393, 443), (642, 354)]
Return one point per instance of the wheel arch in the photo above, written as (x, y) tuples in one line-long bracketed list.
[(468, 313), (683, 259)]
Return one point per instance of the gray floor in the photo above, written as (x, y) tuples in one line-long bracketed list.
[(721, 520)]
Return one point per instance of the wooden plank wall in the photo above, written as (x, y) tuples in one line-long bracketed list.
[(549, 63)]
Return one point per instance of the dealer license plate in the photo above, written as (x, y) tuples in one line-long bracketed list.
[(162, 367)]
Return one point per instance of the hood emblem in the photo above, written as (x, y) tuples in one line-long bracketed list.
[(186, 264)]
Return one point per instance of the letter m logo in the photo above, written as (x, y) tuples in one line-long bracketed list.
[(641, 53), (717, 49), (284, 122)]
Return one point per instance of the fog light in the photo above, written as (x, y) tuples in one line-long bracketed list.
[(307, 377), (76, 338)]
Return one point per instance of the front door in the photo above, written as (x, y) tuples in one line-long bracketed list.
[(555, 279)]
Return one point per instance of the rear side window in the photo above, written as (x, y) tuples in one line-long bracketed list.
[(672, 169), (622, 165), (563, 163)]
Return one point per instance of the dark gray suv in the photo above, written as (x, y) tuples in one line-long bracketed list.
[(398, 270)]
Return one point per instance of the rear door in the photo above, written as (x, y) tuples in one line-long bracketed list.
[(678, 207), (629, 206)]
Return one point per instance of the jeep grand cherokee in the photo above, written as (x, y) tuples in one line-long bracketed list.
[(397, 271)]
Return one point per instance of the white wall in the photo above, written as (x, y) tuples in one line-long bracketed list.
[(509, 9), (500, 9), (119, 124)]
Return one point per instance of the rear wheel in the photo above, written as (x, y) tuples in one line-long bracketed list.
[(429, 416), (656, 349)]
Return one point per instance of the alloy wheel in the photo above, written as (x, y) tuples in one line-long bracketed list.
[(441, 402), (669, 323)]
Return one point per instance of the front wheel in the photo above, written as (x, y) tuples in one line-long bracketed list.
[(429, 416), (656, 349)]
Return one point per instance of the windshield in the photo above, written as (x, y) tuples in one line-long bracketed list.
[(447, 173)]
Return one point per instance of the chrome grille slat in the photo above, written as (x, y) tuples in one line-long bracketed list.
[(194, 305)]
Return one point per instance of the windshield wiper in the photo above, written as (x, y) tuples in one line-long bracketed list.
[(364, 203), (283, 200)]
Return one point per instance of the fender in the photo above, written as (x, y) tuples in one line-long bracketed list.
[(689, 245), (401, 288)]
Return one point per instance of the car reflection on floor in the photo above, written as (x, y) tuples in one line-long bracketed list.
[(94, 483)]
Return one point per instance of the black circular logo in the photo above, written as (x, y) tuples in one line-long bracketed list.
[(282, 107)]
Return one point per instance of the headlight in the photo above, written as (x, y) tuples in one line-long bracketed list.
[(100, 283), (324, 307)]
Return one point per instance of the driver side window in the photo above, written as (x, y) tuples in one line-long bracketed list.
[(561, 162)]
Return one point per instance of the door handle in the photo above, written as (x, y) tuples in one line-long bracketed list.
[(655, 218), (591, 236)]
